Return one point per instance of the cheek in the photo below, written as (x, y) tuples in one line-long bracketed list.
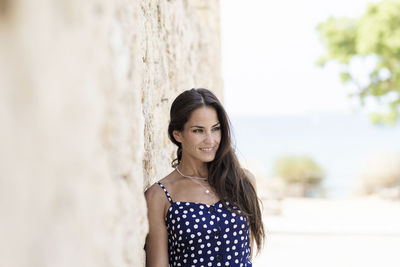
[(218, 136), (195, 140)]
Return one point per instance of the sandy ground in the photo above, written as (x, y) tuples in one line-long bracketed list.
[(340, 233)]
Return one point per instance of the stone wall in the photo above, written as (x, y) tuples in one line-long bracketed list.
[(85, 90)]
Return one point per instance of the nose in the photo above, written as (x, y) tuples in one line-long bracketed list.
[(209, 138)]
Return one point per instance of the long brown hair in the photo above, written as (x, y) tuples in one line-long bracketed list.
[(225, 174)]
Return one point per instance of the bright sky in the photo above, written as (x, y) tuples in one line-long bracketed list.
[(269, 49)]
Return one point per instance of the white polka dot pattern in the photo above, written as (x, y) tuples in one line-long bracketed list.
[(201, 235)]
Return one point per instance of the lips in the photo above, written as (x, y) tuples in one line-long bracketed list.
[(207, 149)]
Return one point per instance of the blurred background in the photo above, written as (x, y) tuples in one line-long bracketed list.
[(313, 92)]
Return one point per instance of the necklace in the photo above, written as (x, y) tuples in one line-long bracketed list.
[(194, 179)]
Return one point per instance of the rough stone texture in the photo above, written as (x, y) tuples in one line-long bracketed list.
[(181, 48), (85, 90)]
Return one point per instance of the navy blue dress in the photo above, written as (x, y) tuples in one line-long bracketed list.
[(201, 235)]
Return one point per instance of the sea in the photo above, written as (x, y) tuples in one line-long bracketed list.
[(339, 142)]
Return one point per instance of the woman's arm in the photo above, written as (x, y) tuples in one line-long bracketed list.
[(252, 180), (157, 238)]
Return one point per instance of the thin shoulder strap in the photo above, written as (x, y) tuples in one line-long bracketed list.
[(166, 192)]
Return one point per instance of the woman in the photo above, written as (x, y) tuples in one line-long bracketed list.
[(205, 212)]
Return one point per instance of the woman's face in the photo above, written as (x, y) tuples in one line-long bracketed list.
[(201, 135)]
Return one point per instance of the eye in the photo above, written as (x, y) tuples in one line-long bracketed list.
[(216, 128), (198, 130)]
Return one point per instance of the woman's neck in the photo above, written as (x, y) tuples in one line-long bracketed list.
[(193, 169)]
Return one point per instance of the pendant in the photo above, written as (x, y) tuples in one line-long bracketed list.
[(207, 192)]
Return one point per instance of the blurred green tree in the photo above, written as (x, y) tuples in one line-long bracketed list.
[(376, 35), (300, 171)]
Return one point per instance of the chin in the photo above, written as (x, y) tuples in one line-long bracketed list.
[(209, 159)]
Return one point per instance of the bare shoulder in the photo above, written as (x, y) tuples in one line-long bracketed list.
[(155, 195), (251, 177)]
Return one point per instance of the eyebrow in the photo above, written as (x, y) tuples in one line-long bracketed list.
[(196, 126)]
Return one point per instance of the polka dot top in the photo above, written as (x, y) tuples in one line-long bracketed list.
[(201, 235)]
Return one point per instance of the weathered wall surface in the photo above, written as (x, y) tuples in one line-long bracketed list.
[(85, 90), (181, 48)]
